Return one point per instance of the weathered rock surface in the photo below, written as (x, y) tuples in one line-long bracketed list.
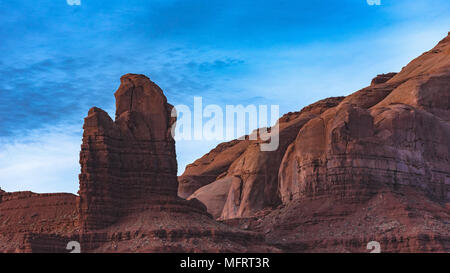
[(373, 166), (249, 175), (392, 133), (26, 217), (129, 163), (255, 172), (383, 149), (210, 167), (214, 195), (128, 191), (380, 160), (128, 182), (401, 220)]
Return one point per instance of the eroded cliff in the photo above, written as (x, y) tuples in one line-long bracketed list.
[(372, 166)]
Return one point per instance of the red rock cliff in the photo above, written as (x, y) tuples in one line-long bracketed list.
[(241, 178), (395, 132), (128, 183), (130, 162), (373, 166), (27, 217)]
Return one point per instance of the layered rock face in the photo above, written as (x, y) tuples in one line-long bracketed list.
[(28, 220), (128, 191), (401, 220), (241, 178), (128, 183), (395, 132), (128, 163), (371, 166)]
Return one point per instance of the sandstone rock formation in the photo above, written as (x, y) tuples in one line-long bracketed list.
[(26, 218), (214, 195), (210, 167), (128, 191), (372, 166), (401, 221), (392, 133), (388, 153), (128, 182), (130, 162), (248, 176)]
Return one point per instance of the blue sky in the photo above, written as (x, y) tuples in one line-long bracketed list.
[(57, 61)]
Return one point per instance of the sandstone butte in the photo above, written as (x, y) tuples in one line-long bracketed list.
[(372, 166)]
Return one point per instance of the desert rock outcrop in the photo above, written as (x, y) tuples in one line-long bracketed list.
[(130, 163), (128, 182), (27, 218), (128, 191), (250, 176), (372, 166)]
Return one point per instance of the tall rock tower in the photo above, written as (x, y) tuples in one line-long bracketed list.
[(128, 164)]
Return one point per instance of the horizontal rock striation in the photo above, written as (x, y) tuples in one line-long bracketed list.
[(130, 163), (128, 191), (27, 215), (241, 179), (376, 167), (371, 166), (255, 173), (392, 133), (128, 183)]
